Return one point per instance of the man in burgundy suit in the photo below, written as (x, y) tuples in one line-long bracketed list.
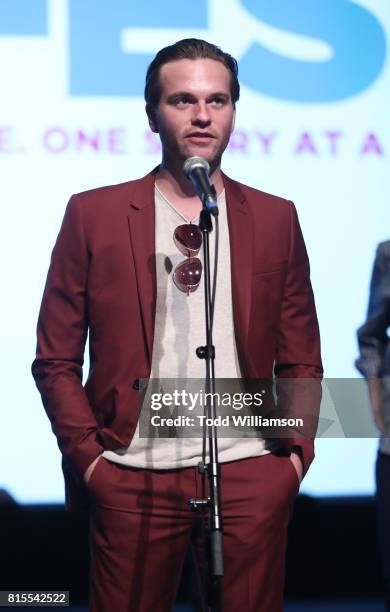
[(112, 274)]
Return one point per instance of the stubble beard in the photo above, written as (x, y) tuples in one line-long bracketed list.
[(212, 155), (176, 153)]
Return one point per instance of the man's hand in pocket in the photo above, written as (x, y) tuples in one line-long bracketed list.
[(297, 463), (90, 468)]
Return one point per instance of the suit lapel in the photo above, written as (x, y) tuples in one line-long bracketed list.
[(141, 219), (241, 254)]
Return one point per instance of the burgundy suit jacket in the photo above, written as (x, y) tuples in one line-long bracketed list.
[(102, 280)]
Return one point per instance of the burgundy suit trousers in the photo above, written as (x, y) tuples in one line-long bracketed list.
[(141, 527)]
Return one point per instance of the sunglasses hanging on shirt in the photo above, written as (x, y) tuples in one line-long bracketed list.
[(187, 275)]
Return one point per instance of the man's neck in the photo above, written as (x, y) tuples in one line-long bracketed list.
[(180, 192)]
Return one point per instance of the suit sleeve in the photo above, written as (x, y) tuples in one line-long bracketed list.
[(61, 336), (298, 350), (372, 335)]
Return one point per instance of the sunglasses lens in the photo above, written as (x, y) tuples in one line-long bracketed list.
[(187, 275), (188, 239)]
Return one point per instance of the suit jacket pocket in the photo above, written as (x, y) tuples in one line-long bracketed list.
[(271, 267)]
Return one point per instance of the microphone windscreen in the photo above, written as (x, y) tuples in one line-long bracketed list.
[(195, 162)]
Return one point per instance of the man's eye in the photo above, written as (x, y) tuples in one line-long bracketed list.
[(218, 101), (182, 100)]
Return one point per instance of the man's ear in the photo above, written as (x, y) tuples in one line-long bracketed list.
[(233, 120), (151, 113)]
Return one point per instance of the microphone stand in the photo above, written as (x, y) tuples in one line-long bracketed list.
[(214, 540)]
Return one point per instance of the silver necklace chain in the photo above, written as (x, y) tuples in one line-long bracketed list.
[(165, 199)]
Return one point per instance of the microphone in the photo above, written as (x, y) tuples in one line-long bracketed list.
[(197, 171)]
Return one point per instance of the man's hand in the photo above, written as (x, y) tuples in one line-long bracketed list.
[(297, 463), (375, 390), (90, 468)]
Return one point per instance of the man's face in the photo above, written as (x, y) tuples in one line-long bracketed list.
[(195, 114)]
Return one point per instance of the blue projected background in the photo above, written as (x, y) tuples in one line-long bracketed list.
[(312, 126)]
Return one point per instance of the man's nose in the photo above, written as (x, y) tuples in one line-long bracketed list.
[(201, 114)]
